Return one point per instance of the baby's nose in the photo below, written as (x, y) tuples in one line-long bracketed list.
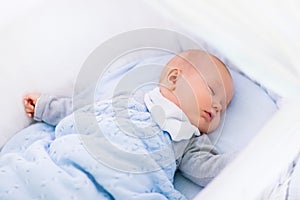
[(217, 106)]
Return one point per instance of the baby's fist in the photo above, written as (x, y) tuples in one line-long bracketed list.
[(29, 103)]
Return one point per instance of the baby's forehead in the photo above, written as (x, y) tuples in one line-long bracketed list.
[(211, 68), (206, 64), (193, 58), (203, 62)]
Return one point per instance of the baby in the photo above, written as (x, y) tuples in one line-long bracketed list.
[(194, 89)]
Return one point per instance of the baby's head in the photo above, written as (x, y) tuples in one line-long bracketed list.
[(199, 84)]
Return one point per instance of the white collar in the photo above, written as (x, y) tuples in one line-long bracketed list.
[(169, 117)]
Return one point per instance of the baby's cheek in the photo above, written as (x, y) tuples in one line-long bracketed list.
[(214, 123)]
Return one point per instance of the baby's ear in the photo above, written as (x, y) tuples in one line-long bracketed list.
[(172, 78)]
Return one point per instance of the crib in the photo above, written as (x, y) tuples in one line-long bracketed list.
[(45, 43)]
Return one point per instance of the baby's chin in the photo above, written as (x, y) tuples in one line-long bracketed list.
[(207, 130)]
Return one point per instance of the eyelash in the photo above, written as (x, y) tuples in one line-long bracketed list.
[(212, 91)]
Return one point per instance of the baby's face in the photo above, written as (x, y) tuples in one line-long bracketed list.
[(202, 89)]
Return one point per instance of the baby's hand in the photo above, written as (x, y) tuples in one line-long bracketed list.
[(29, 103)]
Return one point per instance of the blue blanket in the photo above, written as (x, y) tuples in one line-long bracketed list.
[(110, 150)]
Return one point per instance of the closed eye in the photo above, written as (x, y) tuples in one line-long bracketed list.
[(211, 90)]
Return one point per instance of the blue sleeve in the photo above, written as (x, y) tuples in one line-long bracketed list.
[(51, 109), (201, 162)]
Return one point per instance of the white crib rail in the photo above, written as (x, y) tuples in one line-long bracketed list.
[(260, 38), (260, 164)]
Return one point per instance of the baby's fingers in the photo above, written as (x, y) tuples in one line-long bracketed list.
[(29, 113), (31, 98), (29, 108), (25, 101), (29, 101)]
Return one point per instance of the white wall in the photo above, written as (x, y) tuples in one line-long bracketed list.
[(44, 43)]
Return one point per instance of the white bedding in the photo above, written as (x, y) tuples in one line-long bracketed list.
[(44, 44)]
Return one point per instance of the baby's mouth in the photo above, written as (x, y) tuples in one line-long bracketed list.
[(209, 115)]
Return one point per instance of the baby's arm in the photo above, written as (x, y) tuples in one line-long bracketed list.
[(47, 108), (201, 162)]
